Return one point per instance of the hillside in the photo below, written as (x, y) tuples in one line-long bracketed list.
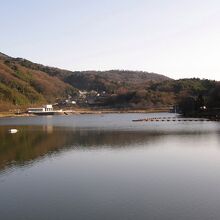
[(112, 81), (24, 83), (22, 86), (109, 81)]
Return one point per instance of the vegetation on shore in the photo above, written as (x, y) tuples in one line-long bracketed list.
[(204, 105)]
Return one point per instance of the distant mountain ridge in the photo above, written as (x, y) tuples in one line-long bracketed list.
[(112, 80), (97, 80)]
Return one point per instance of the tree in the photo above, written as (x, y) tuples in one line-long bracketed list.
[(187, 105), (214, 97)]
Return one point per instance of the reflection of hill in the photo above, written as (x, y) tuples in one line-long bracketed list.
[(33, 142)]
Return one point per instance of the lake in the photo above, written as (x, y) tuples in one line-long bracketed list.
[(109, 168)]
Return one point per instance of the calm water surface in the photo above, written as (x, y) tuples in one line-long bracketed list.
[(107, 167)]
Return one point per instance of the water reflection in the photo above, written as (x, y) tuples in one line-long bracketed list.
[(34, 142)]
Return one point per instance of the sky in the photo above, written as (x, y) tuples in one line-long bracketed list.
[(180, 39)]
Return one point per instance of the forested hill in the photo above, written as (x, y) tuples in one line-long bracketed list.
[(24, 83), (23, 86), (98, 80)]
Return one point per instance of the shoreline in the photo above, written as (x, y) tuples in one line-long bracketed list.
[(88, 111)]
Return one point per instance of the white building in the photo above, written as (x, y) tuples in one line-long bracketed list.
[(44, 109)]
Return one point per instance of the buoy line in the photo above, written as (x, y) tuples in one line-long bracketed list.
[(171, 119)]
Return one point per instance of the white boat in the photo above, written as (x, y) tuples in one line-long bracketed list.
[(13, 131)]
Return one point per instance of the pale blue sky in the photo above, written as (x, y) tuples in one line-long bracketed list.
[(175, 38)]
